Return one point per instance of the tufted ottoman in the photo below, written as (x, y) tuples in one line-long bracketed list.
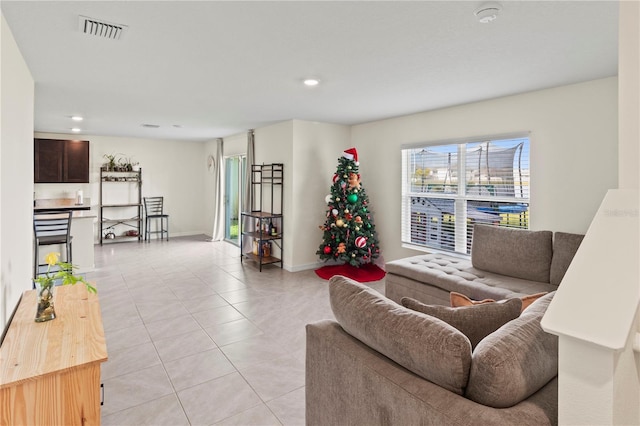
[(504, 263)]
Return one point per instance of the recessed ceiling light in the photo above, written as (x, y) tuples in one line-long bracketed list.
[(77, 118), (311, 82), (76, 129), (150, 126), (488, 12)]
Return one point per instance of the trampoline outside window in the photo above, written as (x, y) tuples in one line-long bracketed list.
[(449, 187)]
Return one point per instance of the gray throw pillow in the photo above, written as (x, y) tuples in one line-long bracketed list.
[(420, 343), (565, 247), (474, 321), (516, 361), (512, 252)]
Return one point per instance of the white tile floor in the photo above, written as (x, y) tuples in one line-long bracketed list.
[(196, 337)]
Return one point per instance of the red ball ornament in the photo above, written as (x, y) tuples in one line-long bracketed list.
[(327, 249), (361, 242)]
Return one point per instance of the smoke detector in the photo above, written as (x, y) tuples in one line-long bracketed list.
[(488, 12), (100, 28)]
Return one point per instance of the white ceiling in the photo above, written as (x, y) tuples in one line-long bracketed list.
[(220, 68)]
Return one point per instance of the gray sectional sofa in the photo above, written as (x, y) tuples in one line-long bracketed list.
[(383, 363), (405, 359), (504, 263)]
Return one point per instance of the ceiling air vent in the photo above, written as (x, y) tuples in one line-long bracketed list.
[(101, 28)]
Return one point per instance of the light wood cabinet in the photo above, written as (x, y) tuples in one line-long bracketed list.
[(50, 371)]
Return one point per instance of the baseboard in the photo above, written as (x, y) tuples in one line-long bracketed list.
[(304, 267)]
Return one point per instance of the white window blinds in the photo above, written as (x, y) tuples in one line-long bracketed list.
[(448, 188)]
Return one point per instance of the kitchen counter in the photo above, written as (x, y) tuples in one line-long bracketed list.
[(44, 204)]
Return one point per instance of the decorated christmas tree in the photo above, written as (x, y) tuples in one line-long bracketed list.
[(349, 235)]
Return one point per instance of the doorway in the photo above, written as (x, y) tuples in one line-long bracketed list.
[(235, 170)]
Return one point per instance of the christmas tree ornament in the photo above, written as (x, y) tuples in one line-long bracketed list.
[(358, 219), (339, 223), (354, 181), (352, 198), (327, 250), (361, 242), (348, 216), (346, 210), (357, 228), (334, 212), (342, 248), (343, 184), (328, 199), (351, 154), (335, 178)]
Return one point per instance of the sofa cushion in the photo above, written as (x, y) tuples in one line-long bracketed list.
[(528, 300), (474, 321), (515, 361), (459, 300), (448, 274), (512, 252), (565, 247), (420, 343)]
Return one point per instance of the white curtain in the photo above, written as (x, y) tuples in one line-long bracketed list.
[(248, 195), (217, 166)]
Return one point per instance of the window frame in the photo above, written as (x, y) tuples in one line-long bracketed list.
[(461, 196)]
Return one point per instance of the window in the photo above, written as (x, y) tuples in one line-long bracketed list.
[(448, 188)]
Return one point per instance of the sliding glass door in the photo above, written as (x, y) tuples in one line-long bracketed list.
[(235, 170)]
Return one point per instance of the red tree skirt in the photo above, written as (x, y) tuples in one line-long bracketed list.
[(366, 273)]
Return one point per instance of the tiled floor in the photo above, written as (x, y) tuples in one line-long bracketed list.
[(196, 337)]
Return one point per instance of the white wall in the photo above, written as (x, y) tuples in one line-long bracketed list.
[(574, 152), (309, 152), (176, 170), (274, 144), (629, 93), (316, 149), (16, 173)]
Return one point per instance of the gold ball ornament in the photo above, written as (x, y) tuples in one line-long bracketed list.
[(339, 222)]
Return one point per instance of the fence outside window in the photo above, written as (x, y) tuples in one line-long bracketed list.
[(449, 187)]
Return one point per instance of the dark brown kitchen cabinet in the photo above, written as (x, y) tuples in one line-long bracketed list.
[(61, 161)]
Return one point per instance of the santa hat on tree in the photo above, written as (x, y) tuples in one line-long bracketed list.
[(351, 154)]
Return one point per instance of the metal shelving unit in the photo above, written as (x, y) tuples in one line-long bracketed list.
[(266, 212), (109, 223)]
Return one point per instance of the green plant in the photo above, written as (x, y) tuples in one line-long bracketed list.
[(45, 283), (111, 161)]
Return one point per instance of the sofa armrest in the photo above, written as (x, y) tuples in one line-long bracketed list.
[(349, 383)]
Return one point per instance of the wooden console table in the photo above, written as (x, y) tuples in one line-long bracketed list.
[(50, 371)]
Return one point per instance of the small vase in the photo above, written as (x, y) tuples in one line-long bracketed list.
[(45, 311)]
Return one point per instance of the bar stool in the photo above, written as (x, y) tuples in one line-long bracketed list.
[(49, 228), (153, 208)]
